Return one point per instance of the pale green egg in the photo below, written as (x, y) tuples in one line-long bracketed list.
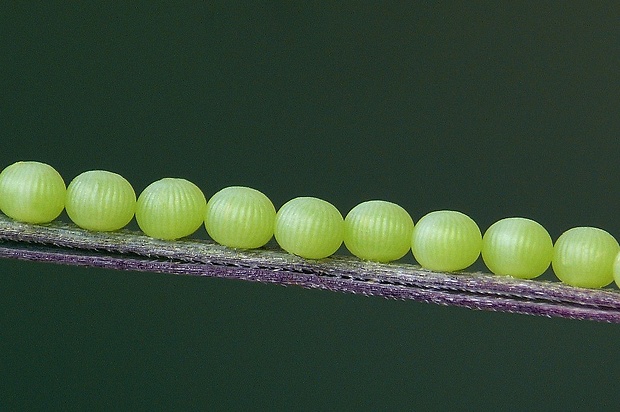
[(517, 247), (31, 192), (240, 217), (378, 230), (309, 227), (446, 240), (616, 270), (170, 208), (584, 257), (100, 200)]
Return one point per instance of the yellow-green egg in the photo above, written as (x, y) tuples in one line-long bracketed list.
[(446, 240), (170, 208), (378, 230), (309, 227), (31, 192), (240, 217), (616, 269), (517, 247), (100, 200), (584, 257)]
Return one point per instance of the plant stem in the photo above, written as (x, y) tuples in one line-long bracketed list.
[(63, 243)]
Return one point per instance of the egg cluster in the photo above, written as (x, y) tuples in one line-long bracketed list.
[(241, 217)]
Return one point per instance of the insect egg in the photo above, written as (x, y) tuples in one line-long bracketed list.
[(446, 240), (31, 192), (170, 208), (240, 217), (616, 270), (100, 200), (517, 247), (309, 227), (584, 257), (378, 230)]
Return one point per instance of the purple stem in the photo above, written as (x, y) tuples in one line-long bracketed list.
[(62, 243)]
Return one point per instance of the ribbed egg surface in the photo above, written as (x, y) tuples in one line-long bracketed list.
[(100, 200), (517, 247), (446, 240), (240, 217), (31, 192), (309, 227), (170, 208), (378, 230)]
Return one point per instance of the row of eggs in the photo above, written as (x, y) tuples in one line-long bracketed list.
[(241, 217)]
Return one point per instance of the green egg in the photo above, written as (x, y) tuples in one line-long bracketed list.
[(240, 217), (100, 200), (378, 230), (309, 227), (616, 270), (446, 241), (584, 257), (517, 247), (31, 192), (170, 208)]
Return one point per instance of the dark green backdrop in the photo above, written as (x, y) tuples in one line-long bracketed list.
[(494, 109)]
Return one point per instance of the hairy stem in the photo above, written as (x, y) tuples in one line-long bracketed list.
[(63, 243)]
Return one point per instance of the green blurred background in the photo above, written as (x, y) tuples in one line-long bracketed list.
[(495, 109)]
